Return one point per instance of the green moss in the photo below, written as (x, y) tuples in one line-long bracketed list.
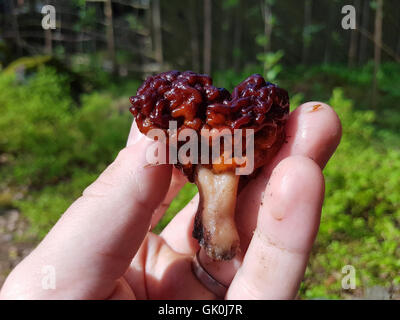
[(27, 63), (182, 199)]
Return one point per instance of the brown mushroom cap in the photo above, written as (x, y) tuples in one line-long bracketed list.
[(193, 102)]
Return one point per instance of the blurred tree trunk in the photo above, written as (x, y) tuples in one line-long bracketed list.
[(110, 33), (15, 27), (363, 40), (148, 49), (194, 36), (48, 45), (207, 37), (328, 33), (237, 37), (307, 23), (354, 37), (158, 48), (398, 48), (267, 17), (266, 10), (377, 48), (224, 43), (32, 6), (397, 52), (48, 38)]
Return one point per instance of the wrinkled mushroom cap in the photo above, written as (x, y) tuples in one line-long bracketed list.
[(193, 102)]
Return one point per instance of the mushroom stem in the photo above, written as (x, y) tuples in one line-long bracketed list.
[(214, 225)]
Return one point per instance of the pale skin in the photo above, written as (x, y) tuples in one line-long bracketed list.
[(101, 248)]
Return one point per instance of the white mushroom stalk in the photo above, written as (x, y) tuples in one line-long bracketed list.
[(215, 226)]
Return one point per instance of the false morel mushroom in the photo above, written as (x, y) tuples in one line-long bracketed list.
[(194, 103)]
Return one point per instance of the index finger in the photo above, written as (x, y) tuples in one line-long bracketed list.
[(313, 131)]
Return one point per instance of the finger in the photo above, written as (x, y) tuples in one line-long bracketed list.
[(134, 135), (93, 243), (311, 131), (275, 261), (314, 131), (158, 272), (178, 233), (167, 275), (178, 181), (122, 291)]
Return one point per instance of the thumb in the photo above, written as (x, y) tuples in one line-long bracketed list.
[(98, 236)]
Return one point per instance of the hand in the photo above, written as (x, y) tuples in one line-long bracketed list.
[(101, 248)]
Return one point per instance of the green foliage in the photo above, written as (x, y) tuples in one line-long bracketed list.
[(32, 116), (43, 208), (52, 146), (92, 66), (182, 199), (310, 31), (26, 63), (262, 40), (270, 61), (361, 212), (87, 19), (230, 78), (134, 23), (318, 81), (228, 4), (47, 135)]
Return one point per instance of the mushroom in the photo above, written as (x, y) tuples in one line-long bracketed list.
[(194, 103)]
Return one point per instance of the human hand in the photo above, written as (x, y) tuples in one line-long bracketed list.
[(101, 248)]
